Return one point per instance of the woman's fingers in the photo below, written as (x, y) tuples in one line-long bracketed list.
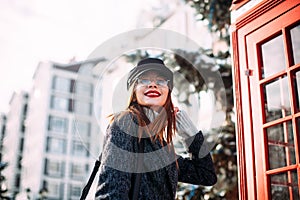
[(176, 109)]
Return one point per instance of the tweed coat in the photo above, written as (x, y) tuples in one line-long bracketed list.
[(161, 167)]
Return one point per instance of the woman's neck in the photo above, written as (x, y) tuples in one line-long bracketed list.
[(150, 113)]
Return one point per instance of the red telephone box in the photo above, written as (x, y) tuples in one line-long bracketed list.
[(266, 65)]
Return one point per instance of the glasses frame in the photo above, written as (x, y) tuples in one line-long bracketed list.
[(158, 82)]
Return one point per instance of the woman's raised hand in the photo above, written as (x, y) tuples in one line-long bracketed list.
[(184, 125)]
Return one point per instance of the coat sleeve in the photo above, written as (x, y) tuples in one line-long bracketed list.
[(115, 176), (196, 170)]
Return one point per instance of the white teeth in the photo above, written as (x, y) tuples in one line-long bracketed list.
[(152, 94)]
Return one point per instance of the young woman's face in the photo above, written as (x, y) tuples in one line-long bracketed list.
[(152, 90)]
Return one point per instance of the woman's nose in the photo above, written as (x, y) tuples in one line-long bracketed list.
[(152, 84)]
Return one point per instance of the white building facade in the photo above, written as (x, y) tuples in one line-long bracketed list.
[(13, 141), (62, 135)]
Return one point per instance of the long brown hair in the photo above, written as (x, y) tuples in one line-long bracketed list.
[(162, 129)]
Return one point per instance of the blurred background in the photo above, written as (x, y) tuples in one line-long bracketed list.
[(54, 96)]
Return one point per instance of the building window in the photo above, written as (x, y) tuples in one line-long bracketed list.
[(83, 88), (78, 171), (54, 168), (21, 146), (25, 108), (55, 189), (61, 84), (81, 128), (58, 124), (59, 103), (56, 145), (74, 191), (23, 128), (83, 108), (80, 148), (18, 181)]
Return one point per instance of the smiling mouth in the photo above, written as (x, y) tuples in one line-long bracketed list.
[(152, 94)]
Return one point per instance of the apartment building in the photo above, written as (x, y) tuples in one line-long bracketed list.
[(62, 138), (13, 142), (3, 164)]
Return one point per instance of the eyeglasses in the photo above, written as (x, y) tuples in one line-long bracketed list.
[(158, 82)]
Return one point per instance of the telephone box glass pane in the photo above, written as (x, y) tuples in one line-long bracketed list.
[(284, 185), (281, 150), (273, 56), (296, 77), (295, 35), (277, 99)]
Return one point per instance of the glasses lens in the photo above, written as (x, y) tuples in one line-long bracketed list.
[(144, 81), (162, 82), (159, 82)]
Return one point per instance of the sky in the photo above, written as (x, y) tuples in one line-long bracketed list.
[(55, 30)]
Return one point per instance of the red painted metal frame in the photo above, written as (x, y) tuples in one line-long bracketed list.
[(250, 150), (253, 52), (236, 4)]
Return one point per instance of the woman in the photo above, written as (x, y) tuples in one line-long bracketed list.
[(138, 158)]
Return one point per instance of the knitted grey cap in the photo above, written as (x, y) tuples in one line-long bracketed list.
[(150, 64)]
